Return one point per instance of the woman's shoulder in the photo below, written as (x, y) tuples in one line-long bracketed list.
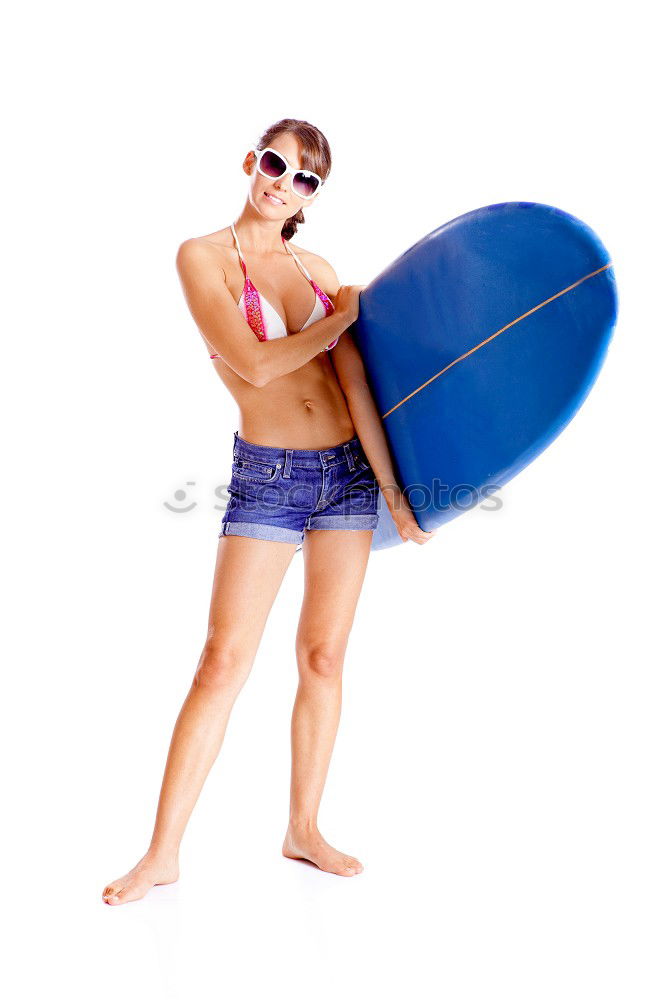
[(214, 248)]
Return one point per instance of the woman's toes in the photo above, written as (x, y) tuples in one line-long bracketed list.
[(109, 891), (123, 894), (117, 892)]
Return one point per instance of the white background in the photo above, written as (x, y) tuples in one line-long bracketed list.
[(499, 764)]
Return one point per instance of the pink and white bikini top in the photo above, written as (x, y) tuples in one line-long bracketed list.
[(262, 318)]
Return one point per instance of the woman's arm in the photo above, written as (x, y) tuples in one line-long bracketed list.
[(286, 354), (224, 327), (351, 375)]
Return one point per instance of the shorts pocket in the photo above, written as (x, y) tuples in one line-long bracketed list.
[(255, 472)]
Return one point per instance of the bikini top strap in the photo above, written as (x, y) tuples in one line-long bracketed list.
[(240, 252), (298, 260), (328, 305)]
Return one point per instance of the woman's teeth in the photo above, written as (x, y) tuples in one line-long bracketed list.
[(276, 201)]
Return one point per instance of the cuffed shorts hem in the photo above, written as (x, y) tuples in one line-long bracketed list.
[(354, 522), (269, 532), (276, 533)]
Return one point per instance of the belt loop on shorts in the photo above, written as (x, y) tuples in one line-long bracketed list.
[(350, 457), (287, 463), (235, 442)]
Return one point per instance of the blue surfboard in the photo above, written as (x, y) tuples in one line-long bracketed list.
[(480, 343)]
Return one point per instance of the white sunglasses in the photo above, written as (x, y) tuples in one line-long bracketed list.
[(270, 163)]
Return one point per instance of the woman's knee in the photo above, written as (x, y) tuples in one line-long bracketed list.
[(323, 660), (221, 666)]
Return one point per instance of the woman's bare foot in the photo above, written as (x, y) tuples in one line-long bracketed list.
[(151, 870), (307, 843)]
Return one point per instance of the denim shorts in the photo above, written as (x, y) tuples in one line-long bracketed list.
[(280, 493)]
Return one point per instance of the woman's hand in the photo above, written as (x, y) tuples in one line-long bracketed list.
[(346, 300), (406, 523)]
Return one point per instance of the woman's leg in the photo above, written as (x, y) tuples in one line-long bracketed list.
[(248, 574), (335, 565)]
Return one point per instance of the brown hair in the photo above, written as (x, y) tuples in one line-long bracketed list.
[(315, 155)]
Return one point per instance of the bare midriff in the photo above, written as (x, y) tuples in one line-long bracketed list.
[(305, 408)]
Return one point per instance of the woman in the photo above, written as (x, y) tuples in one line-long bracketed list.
[(298, 468)]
